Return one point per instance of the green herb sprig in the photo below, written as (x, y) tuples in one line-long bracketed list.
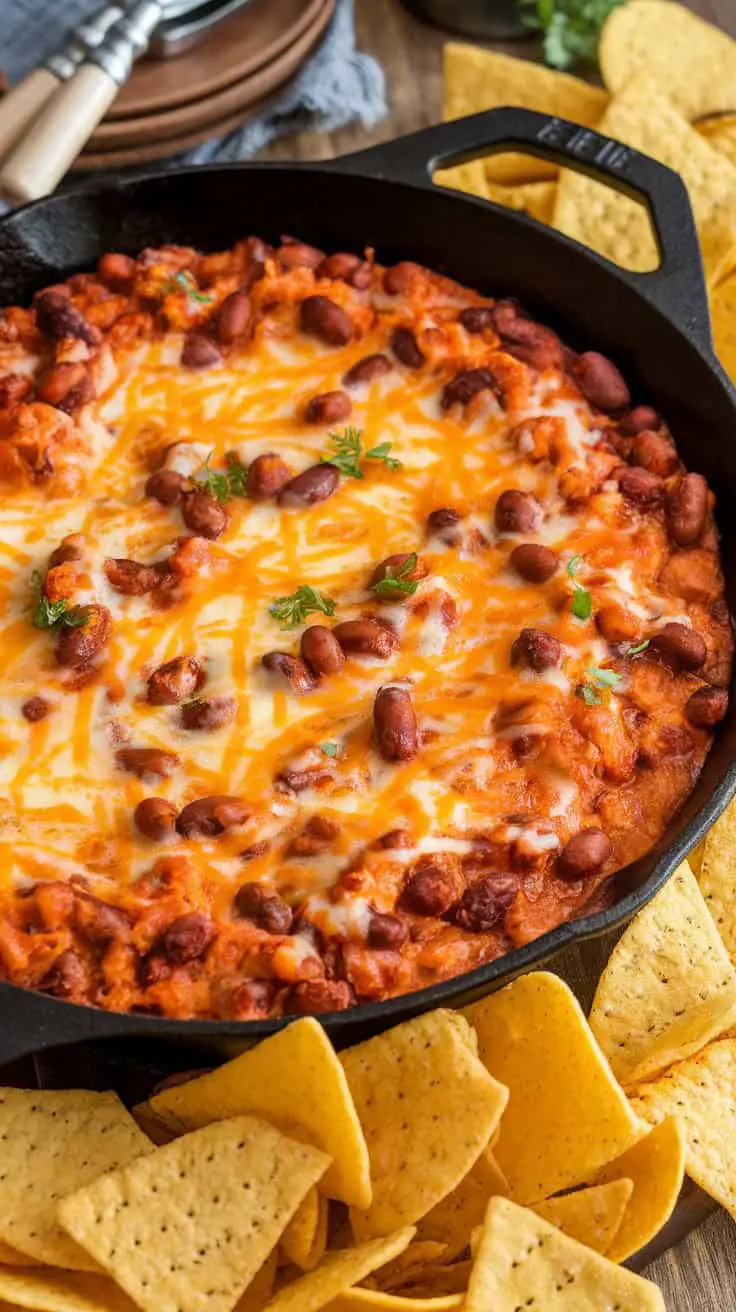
[(294, 609), (52, 614), (598, 680), (348, 452), (183, 281), (582, 604), (571, 28), (231, 482), (395, 582)]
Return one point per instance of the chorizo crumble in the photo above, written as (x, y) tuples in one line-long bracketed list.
[(354, 629)]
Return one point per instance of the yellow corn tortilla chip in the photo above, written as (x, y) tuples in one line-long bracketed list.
[(692, 61), (373, 1300), (567, 1115), (439, 1280), (592, 1216), (669, 986), (695, 858), (409, 1266), (702, 1093), (13, 1257), (619, 228), (428, 1108), (51, 1290), (54, 1142), (451, 1220), (476, 79), (524, 1262), (656, 1167), (260, 1288), (720, 131), (305, 1238), (718, 879), (534, 198), (338, 1272), (192, 1223), (294, 1079)]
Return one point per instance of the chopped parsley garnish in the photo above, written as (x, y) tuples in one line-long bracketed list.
[(230, 483), (329, 749), (582, 605), (600, 680), (183, 281), (395, 581), (638, 649), (237, 476), (348, 453), (48, 614), (572, 28), (293, 610)]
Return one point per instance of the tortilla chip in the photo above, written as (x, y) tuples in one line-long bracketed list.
[(720, 880), (428, 1109), (294, 1079), (702, 1092), (193, 1222), (260, 1288), (439, 1280), (534, 198), (695, 858), (54, 1142), (619, 228), (567, 1115), (373, 1300), (51, 1290), (13, 1257), (477, 79), (669, 986), (592, 1216), (524, 1262), (408, 1267), (693, 62), (452, 1220), (338, 1272), (721, 133), (305, 1238), (656, 1165), (718, 868)]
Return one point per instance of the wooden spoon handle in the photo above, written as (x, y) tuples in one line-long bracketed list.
[(22, 103), (54, 140)]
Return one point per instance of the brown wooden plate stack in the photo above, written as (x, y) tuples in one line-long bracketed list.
[(170, 105)]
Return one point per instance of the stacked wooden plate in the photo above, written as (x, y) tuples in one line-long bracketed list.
[(170, 105)]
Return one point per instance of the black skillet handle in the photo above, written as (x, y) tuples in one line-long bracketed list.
[(30, 1022), (676, 288)]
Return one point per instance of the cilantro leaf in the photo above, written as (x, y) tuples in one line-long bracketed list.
[(638, 649), (329, 749), (381, 452), (237, 477), (604, 678), (348, 450), (212, 482), (573, 565), (48, 614), (395, 582), (184, 281), (582, 605), (293, 610), (571, 28)]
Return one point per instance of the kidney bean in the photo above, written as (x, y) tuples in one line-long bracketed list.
[(35, 709), (328, 408), (367, 370), (118, 271), (298, 255), (265, 908), (233, 318), (147, 760), (637, 420), (292, 669), (166, 486), (204, 515), (255, 850), (314, 997), (385, 931), (254, 255), (526, 340), (584, 854), (535, 563), (511, 322), (186, 938), (600, 381), (155, 818), (67, 978), (13, 389), (253, 999), (641, 487), (398, 280), (341, 265), (296, 781), (209, 715), (706, 707), (537, 649), (77, 647), (99, 922), (406, 348), (517, 512), (267, 474), (395, 838), (476, 318), (465, 385), (321, 650), (444, 522), (72, 547), (134, 579), (395, 724), (57, 317), (67, 387), (210, 816), (484, 904), (320, 317), (680, 647), (433, 885), (365, 637), (199, 351), (655, 452), (687, 508), (318, 835), (316, 484), (392, 564), (175, 680), (617, 624)]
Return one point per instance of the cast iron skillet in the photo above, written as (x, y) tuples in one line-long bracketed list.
[(655, 326)]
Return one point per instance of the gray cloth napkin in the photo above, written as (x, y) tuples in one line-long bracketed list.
[(337, 84)]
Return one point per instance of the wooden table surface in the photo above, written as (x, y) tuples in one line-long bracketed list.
[(699, 1275)]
